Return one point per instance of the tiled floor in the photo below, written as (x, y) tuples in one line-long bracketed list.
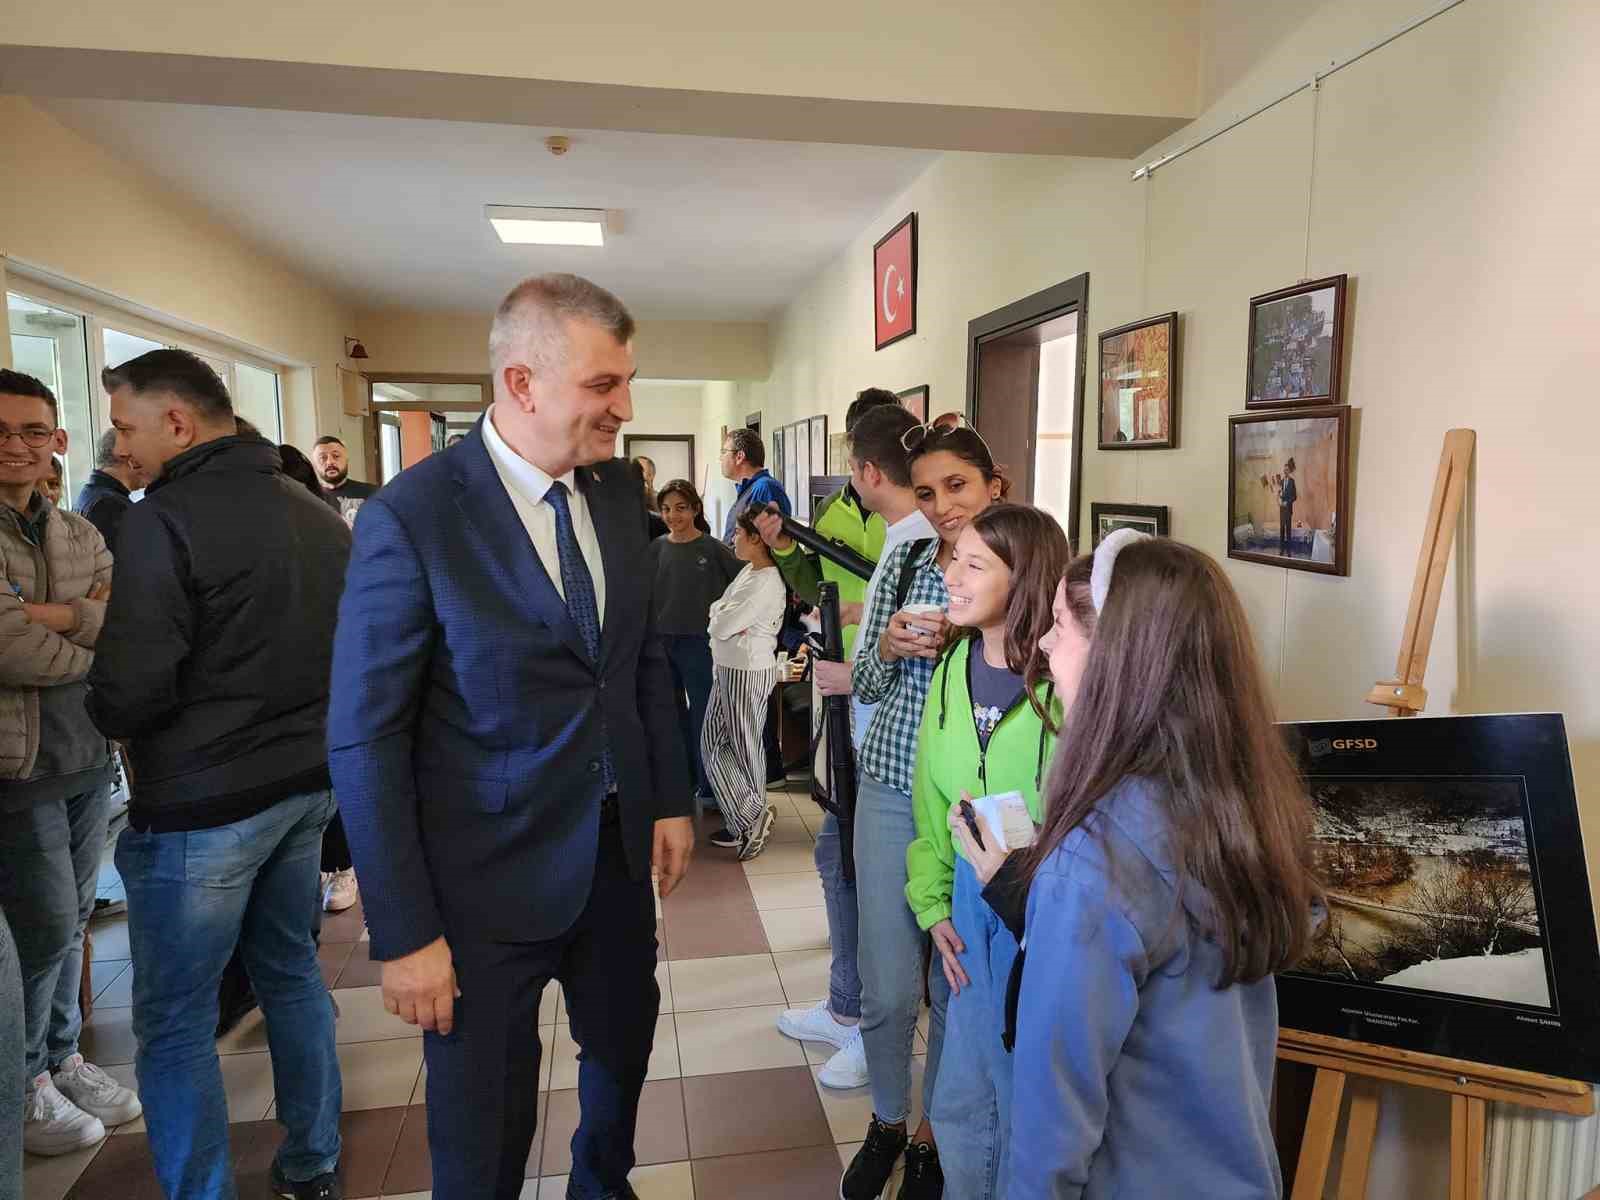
[(732, 1108)]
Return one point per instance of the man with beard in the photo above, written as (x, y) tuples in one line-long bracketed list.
[(333, 469)]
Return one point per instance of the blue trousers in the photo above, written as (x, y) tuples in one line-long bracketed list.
[(483, 1079), (844, 919), (972, 1105), (192, 897), (689, 656)]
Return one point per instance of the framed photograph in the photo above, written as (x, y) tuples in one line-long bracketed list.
[(800, 493), (1146, 518), (775, 459), (894, 284), (1296, 345), (819, 444), (1459, 919), (838, 454), (791, 465), (1139, 385), (915, 401), (1289, 489)]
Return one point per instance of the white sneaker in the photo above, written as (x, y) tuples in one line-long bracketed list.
[(52, 1124), (97, 1093), (848, 1068), (815, 1024), (756, 841), (340, 892)]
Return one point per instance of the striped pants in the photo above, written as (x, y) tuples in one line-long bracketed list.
[(732, 747)]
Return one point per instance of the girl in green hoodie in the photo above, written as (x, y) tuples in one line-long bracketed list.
[(989, 727)]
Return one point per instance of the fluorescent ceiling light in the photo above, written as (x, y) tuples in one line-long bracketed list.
[(548, 226)]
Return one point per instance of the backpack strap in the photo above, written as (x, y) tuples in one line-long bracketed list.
[(908, 570)]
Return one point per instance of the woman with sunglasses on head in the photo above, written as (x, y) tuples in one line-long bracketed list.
[(1170, 881), (987, 730), (954, 478)]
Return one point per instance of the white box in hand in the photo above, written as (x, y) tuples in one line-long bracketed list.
[(1006, 814)]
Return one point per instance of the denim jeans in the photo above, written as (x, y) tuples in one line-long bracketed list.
[(11, 1079), (890, 954), (193, 896), (689, 656), (49, 862), (839, 894), (971, 1110)]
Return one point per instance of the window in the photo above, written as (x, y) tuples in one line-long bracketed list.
[(255, 398), (51, 345), (120, 347)]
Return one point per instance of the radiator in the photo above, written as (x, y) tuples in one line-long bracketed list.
[(1541, 1156)]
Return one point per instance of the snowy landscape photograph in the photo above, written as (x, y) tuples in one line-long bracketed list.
[(1429, 887)]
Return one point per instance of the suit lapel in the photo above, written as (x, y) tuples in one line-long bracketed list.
[(487, 506)]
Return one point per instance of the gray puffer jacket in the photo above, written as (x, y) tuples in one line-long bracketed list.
[(71, 562)]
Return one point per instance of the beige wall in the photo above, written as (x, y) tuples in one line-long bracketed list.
[(103, 224), (1444, 174)]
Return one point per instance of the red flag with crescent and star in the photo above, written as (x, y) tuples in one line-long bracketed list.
[(894, 289)]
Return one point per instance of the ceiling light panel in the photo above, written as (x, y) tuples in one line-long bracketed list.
[(522, 226)]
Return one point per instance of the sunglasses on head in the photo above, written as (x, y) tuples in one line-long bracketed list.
[(946, 423)]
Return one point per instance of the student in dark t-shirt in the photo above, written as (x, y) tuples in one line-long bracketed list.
[(692, 570)]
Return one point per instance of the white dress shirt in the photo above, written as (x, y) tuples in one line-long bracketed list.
[(527, 485)]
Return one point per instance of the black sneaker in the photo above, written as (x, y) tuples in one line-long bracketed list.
[(756, 841), (323, 1187), (726, 839), (869, 1171), (924, 1179), (627, 1193)]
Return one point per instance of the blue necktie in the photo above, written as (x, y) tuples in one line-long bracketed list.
[(578, 585)]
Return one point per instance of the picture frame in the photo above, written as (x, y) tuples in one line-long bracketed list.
[(915, 400), (894, 284), (819, 444), (775, 459), (800, 493), (1310, 448), (1137, 406), (791, 464), (839, 454), (1294, 355), (1105, 518)]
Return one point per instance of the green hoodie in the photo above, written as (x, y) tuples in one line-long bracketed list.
[(839, 516), (950, 762)]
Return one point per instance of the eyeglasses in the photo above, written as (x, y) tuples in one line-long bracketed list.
[(946, 423), (34, 437)]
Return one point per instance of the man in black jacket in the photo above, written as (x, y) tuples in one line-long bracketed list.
[(213, 666), (105, 495)]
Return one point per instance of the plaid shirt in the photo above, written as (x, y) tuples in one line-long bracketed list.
[(898, 688)]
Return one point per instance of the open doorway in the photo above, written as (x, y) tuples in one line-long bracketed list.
[(414, 416), (1025, 365)]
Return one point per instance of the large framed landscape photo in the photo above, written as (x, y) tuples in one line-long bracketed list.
[(1289, 489), (1296, 345), (1139, 385), (1459, 919)]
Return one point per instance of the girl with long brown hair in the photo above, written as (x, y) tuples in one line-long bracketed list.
[(988, 728), (1170, 880)]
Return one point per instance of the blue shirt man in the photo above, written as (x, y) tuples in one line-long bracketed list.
[(744, 460)]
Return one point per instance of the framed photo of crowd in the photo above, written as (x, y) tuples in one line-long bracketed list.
[(1296, 346)]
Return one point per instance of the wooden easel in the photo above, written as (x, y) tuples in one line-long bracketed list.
[(1361, 1067)]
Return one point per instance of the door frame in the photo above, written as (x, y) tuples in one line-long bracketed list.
[(1071, 295), (628, 439), (375, 405)]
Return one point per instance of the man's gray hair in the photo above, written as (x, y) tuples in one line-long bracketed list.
[(105, 450), (534, 316)]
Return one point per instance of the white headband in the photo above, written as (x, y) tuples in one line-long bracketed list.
[(1105, 561)]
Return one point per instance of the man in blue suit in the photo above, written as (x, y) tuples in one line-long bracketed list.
[(504, 745)]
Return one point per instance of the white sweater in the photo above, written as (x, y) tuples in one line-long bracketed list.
[(745, 622)]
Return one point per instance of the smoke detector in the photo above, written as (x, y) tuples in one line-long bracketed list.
[(558, 145)]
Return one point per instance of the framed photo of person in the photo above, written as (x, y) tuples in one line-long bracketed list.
[(1146, 518), (1289, 489), (894, 284), (775, 459), (1296, 348), (1139, 385), (819, 444), (915, 401)]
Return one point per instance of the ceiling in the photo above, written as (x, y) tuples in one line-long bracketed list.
[(388, 212)]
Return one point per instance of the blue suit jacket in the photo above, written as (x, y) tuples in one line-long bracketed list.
[(467, 720)]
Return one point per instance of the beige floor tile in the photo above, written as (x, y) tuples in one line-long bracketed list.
[(108, 1037), (246, 1082), (847, 1151), (664, 982), (413, 1196), (734, 1039), (362, 1018), (804, 974), (800, 889), (736, 981), (52, 1178), (549, 1003), (380, 1074), (849, 1112), (788, 830), (110, 937), (563, 1055), (795, 928), (784, 858), (666, 1181)]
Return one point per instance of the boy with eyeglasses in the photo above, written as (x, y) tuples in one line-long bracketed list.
[(55, 771)]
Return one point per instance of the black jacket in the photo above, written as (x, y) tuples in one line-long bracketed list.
[(103, 501), (214, 660)]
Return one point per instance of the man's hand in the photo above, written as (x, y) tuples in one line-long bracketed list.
[(57, 618), (421, 988), (851, 613), (669, 855), (833, 678), (770, 523), (914, 635), (101, 592)]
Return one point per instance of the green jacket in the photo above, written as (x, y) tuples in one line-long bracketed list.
[(839, 516), (949, 762)]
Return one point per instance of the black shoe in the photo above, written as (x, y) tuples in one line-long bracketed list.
[(323, 1187), (869, 1171), (627, 1193), (924, 1178), (726, 839)]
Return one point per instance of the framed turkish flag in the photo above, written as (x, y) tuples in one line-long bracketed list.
[(894, 284)]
